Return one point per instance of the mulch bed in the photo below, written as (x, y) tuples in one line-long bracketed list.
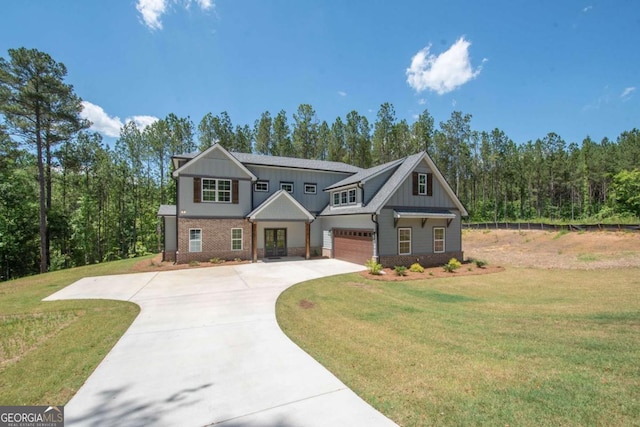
[(467, 269)]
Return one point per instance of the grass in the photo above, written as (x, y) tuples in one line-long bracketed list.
[(523, 347), (48, 349)]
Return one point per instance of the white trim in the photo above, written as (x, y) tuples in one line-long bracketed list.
[(199, 230), (241, 238), (287, 183), (280, 193), (444, 240), (430, 215), (216, 191), (422, 175), (313, 185), (410, 242)]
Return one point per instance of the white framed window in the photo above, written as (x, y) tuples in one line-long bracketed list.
[(261, 186), (336, 198), (216, 190), (195, 240), (422, 184), (404, 241), (287, 186), (352, 196), (310, 188), (236, 239), (343, 198), (438, 240)]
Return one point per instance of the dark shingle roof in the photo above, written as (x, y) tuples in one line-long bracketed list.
[(291, 162), (364, 174), (167, 210)]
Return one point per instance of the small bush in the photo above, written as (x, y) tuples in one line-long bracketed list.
[(452, 265), (480, 263), (193, 263), (416, 268), (216, 260), (400, 270), (237, 259), (373, 266)]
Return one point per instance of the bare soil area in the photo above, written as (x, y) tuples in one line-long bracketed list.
[(550, 249)]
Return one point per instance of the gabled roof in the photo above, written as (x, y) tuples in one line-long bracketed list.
[(280, 206), (204, 154), (393, 183), (285, 162), (365, 174)]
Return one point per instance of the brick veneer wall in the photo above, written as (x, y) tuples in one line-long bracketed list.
[(425, 260), (301, 252), (216, 239)]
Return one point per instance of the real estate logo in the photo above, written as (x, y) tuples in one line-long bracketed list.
[(31, 416)]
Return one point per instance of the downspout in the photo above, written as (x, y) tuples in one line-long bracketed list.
[(374, 219), (177, 219)]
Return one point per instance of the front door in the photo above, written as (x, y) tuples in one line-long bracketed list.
[(275, 242)]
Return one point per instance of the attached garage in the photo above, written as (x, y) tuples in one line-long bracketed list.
[(353, 245)]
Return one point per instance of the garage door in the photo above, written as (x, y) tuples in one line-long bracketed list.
[(353, 245)]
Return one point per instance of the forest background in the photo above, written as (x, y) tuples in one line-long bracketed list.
[(69, 199)]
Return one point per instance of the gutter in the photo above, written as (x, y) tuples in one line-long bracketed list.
[(374, 219)]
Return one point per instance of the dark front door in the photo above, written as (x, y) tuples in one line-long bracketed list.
[(275, 242)]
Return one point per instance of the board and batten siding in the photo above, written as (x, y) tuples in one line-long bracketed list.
[(188, 208), (170, 236), (370, 188), (404, 194), (421, 237), (215, 165), (312, 202)]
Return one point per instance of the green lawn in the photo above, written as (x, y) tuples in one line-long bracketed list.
[(522, 347), (48, 349)]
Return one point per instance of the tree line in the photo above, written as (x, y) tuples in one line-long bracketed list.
[(68, 199)]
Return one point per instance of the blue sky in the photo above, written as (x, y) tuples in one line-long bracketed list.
[(526, 67)]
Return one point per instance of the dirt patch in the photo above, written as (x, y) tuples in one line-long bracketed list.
[(552, 249), (156, 264), (306, 304), (467, 269)]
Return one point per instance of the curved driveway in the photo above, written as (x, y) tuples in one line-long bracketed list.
[(206, 349)]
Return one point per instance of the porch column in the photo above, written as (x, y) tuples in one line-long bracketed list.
[(254, 241), (307, 239)]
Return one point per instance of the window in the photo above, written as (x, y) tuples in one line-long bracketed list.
[(287, 186), (236, 239), (352, 196), (422, 184), (262, 186), (216, 190), (346, 197), (404, 241), (310, 188), (438, 239), (195, 240)]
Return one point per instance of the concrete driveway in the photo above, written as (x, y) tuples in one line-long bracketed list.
[(206, 349)]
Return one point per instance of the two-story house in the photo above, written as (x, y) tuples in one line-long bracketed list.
[(249, 206)]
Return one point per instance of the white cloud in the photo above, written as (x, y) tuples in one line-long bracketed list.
[(422, 101), (142, 121), (342, 93), (152, 10), (443, 73), (101, 121), (110, 126), (587, 9), (627, 92)]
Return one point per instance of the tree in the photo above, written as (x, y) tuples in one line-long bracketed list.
[(216, 129), (42, 110), (282, 145), (305, 132), (384, 143), (336, 145), (358, 145), (324, 135), (626, 192), (243, 138), (422, 131), (262, 132)]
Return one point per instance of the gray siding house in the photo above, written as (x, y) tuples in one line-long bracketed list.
[(249, 206)]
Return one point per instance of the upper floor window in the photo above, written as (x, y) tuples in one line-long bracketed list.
[(216, 190), (310, 188), (422, 184), (346, 197), (287, 186), (262, 186)]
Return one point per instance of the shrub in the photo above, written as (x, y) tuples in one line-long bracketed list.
[(216, 260), (400, 270), (416, 268), (480, 263), (237, 259), (452, 265), (373, 266), (193, 263)]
